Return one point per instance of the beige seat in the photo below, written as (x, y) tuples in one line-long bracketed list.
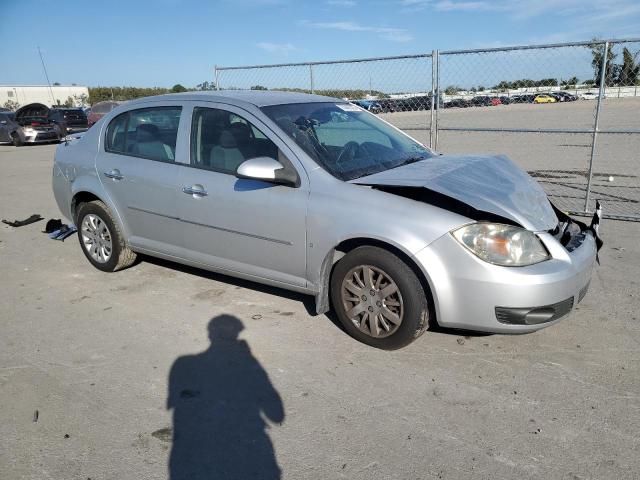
[(226, 155)]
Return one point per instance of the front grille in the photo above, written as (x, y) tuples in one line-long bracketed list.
[(534, 315), (46, 136)]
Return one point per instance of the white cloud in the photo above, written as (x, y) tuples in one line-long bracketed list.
[(342, 3), (523, 9), (447, 6), (388, 33), (282, 48), (583, 18)]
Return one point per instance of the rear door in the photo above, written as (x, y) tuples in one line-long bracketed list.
[(138, 170), (254, 228)]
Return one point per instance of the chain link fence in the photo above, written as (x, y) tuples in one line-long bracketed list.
[(567, 113)]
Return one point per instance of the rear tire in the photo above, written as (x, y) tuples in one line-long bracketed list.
[(16, 140), (388, 310), (101, 238)]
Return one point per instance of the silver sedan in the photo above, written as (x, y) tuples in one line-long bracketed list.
[(317, 195)]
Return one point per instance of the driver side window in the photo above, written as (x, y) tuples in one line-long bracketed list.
[(221, 140)]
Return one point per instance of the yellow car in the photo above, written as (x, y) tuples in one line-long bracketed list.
[(544, 99)]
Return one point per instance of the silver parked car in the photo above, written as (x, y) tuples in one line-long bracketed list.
[(314, 194)]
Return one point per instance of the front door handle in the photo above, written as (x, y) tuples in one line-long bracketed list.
[(197, 190), (114, 174)]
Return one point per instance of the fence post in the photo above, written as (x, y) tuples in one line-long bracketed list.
[(215, 74), (603, 72), (435, 143), (311, 76), (432, 128)]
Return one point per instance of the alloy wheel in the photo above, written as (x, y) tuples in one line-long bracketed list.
[(96, 238), (372, 301)]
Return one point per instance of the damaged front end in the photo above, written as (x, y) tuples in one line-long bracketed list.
[(569, 232), (485, 189)]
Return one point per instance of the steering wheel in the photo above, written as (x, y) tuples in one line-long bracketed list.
[(348, 152)]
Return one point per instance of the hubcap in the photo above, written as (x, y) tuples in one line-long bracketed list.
[(96, 238), (372, 300)]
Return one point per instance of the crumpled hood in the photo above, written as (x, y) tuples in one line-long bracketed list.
[(492, 184)]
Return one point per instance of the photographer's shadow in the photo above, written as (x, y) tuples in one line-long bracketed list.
[(219, 398)]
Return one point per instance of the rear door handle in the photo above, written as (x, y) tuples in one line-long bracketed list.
[(197, 190), (114, 174)]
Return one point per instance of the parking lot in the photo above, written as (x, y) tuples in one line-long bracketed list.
[(90, 363)]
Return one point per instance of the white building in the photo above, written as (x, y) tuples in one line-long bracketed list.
[(54, 95)]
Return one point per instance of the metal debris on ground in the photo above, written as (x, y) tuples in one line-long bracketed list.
[(63, 232)]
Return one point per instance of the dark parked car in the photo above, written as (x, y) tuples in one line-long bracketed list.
[(485, 101), (457, 103), (388, 105), (35, 125), (525, 98), (10, 131), (99, 110), (70, 120), (368, 105), (563, 96), (505, 100)]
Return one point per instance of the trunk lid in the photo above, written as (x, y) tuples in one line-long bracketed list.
[(33, 114)]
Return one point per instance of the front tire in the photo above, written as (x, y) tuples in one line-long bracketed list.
[(379, 299), (101, 239)]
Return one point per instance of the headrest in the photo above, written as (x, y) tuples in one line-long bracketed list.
[(227, 140), (147, 132), (241, 131)]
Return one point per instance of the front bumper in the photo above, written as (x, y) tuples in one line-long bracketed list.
[(475, 295), (77, 129), (41, 137)]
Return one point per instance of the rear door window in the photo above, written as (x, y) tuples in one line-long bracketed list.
[(147, 133)]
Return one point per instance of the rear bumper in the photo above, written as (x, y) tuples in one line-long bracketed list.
[(472, 294)]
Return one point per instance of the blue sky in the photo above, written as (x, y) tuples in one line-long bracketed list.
[(163, 42)]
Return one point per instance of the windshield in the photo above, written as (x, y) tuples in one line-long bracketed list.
[(345, 140)]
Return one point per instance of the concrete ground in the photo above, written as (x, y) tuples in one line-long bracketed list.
[(90, 363)]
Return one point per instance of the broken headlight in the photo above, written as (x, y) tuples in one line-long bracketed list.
[(504, 245)]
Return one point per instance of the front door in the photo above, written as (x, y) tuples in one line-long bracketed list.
[(250, 227)]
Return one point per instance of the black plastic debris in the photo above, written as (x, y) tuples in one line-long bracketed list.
[(53, 225), (27, 221)]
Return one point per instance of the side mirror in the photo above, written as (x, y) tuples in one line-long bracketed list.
[(268, 170)]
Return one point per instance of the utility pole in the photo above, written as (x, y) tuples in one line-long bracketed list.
[(53, 100)]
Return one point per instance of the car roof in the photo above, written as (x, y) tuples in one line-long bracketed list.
[(258, 98)]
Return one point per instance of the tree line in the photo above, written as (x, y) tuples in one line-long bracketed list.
[(101, 94)]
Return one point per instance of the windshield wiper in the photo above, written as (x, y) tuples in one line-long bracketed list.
[(409, 160)]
